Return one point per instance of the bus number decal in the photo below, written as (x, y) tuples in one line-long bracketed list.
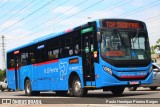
[(76, 68), (50, 70)]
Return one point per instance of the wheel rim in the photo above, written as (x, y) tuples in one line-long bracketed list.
[(130, 88), (77, 86), (28, 88)]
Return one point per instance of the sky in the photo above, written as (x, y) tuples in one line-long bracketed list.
[(22, 21)]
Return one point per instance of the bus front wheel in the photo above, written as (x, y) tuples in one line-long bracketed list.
[(153, 88), (117, 90), (133, 88), (78, 91)]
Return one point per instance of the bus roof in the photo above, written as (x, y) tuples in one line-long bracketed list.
[(49, 36), (52, 35)]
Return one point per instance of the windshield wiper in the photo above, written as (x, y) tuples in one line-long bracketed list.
[(116, 30), (135, 38)]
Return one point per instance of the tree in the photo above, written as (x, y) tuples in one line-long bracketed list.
[(158, 44), (2, 74), (155, 47), (152, 49)]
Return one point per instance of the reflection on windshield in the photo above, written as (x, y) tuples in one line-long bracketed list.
[(125, 45)]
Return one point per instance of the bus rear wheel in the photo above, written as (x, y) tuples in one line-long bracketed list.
[(28, 89), (117, 90), (78, 91)]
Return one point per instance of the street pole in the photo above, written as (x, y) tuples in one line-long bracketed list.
[(3, 53), (52, 16)]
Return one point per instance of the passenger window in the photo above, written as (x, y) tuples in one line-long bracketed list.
[(10, 63), (65, 51), (53, 48), (70, 52), (56, 53), (51, 55), (31, 58), (24, 57), (76, 51)]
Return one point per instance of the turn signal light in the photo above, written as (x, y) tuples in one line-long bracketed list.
[(95, 54)]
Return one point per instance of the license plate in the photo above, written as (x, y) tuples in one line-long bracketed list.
[(133, 82)]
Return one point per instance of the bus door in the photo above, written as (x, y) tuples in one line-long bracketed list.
[(17, 68), (88, 58)]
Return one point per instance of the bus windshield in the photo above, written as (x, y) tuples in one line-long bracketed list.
[(119, 44)]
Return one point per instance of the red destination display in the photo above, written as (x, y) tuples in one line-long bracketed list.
[(132, 25)]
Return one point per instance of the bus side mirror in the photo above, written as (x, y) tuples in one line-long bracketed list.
[(99, 37), (156, 70)]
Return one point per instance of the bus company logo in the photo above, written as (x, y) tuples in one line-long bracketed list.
[(63, 70), (6, 101)]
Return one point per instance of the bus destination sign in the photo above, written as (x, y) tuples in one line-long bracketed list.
[(123, 24), (131, 25)]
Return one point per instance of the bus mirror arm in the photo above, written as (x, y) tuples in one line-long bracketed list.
[(99, 37), (99, 34)]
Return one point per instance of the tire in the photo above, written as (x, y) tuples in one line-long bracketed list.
[(153, 88), (9, 89), (132, 88), (71, 92), (28, 89), (117, 90), (78, 91), (61, 93), (1, 88)]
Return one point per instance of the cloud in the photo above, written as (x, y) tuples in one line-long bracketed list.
[(66, 10), (137, 3), (7, 24), (12, 33), (90, 16), (3, 0)]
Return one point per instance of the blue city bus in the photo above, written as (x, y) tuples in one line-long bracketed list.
[(108, 54)]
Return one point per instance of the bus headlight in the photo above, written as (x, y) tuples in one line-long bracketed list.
[(150, 69), (107, 70)]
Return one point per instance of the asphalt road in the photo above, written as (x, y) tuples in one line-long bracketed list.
[(94, 97)]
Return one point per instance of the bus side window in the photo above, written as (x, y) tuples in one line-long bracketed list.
[(76, 49), (53, 46), (10, 62), (31, 58), (64, 52), (24, 57), (70, 51), (56, 53), (51, 55)]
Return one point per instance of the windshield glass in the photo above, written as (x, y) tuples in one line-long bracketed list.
[(125, 45)]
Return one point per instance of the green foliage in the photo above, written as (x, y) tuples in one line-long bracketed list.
[(152, 50), (2, 74), (157, 46), (158, 42)]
